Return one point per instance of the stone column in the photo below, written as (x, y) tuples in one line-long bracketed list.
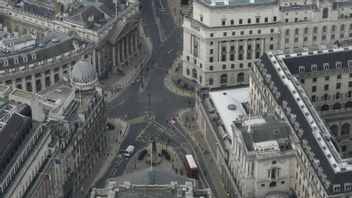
[(118, 53), (253, 49), (237, 51), (42, 81), (34, 85), (245, 49), (128, 45), (113, 56), (228, 51), (24, 83), (136, 40), (123, 49), (52, 80), (262, 46), (99, 63)]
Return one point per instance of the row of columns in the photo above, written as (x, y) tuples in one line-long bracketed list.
[(245, 49), (39, 82), (125, 48), (32, 85)]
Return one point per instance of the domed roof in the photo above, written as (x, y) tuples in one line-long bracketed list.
[(83, 72)]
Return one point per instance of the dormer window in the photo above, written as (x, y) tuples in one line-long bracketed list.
[(314, 68), (338, 65), (34, 56), (348, 186), (16, 60), (301, 69), (336, 187), (326, 66), (349, 63)]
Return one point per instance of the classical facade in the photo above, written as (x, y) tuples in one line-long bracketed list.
[(105, 34), (151, 183), (223, 38), (76, 120), (283, 84), (24, 148), (253, 153)]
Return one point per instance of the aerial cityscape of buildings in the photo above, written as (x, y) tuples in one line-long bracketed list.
[(179, 99)]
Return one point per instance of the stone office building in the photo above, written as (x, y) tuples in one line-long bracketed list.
[(223, 38), (105, 34)]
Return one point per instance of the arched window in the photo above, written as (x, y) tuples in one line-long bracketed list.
[(334, 129), (333, 28), (324, 108), (306, 30), (296, 31), (336, 106), (348, 104), (240, 77), (223, 79), (342, 27), (315, 30), (337, 95), (325, 13), (345, 129), (324, 29)]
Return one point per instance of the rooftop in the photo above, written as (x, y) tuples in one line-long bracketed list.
[(264, 134), (230, 104), (219, 3), (52, 46), (13, 125), (314, 137)]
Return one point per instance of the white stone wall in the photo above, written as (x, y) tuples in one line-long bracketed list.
[(235, 30)]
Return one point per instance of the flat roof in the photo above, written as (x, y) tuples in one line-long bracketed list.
[(224, 100), (190, 161), (218, 3), (3, 88), (23, 94)]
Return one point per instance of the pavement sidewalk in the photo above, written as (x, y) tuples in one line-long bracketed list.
[(174, 80), (114, 139), (187, 119)]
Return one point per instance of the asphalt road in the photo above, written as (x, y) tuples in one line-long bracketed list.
[(133, 103)]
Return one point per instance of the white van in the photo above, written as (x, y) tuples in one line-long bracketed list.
[(129, 151)]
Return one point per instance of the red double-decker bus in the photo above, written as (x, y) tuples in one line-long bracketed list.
[(191, 167)]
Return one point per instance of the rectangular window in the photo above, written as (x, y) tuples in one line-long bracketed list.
[(211, 68), (326, 87), (211, 59), (232, 22), (327, 78), (314, 88), (275, 18), (266, 19), (249, 21), (223, 67), (338, 85), (257, 20), (338, 76), (350, 84), (211, 81), (240, 21), (223, 22)]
